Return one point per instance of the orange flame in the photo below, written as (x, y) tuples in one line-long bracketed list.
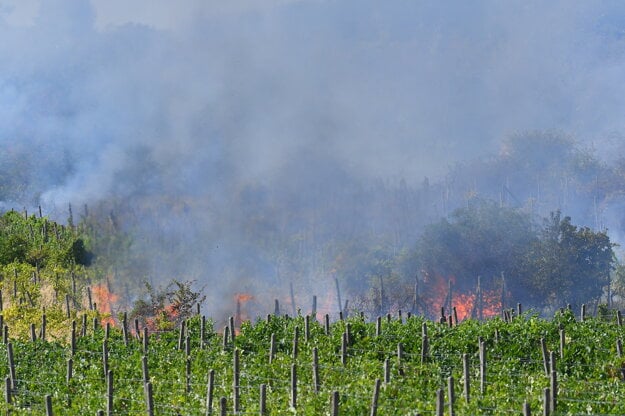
[(241, 314), (465, 303), (104, 300), (243, 297)]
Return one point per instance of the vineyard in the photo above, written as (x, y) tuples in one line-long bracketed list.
[(282, 365), (65, 352)]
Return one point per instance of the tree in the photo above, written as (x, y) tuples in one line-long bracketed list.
[(569, 264), (557, 264), (482, 239)]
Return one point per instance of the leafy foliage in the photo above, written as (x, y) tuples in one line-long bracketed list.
[(589, 371)]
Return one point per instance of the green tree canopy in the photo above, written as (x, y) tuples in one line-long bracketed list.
[(555, 264), (482, 239), (568, 264)]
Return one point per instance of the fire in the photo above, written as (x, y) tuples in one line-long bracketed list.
[(104, 299), (467, 307), (241, 314), (172, 310), (243, 297), (465, 302)]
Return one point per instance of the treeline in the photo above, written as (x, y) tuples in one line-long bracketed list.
[(315, 219)]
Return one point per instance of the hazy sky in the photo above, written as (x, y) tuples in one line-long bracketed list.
[(231, 90)]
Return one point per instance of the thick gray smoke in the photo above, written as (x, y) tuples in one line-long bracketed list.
[(195, 110)]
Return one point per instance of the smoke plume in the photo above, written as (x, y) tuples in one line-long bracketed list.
[(209, 119)]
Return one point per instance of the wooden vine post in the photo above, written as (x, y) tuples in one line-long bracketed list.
[(210, 389), (68, 379), (376, 396), (272, 347), (236, 381), (482, 353), (109, 393), (11, 362), (545, 355), (263, 399), (440, 402), (467, 377), (48, 402), (149, 399), (293, 386), (315, 370), (335, 403), (451, 394)]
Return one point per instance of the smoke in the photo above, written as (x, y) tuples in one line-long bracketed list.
[(198, 109)]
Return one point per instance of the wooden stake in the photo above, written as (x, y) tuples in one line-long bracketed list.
[(295, 343), (67, 309), (223, 406), (7, 390), (314, 306), (44, 323), (263, 399), (125, 328), (73, 339), (109, 393), (181, 334), (149, 399), (225, 337), (440, 402), (48, 400), (70, 370), (451, 395), (145, 340), (210, 388), (11, 366), (137, 332), (543, 348), (344, 349), (202, 332), (315, 370), (482, 349), (236, 381), (232, 329), (327, 323), (293, 386), (105, 357), (89, 299), (387, 371), (526, 409), (272, 347), (144, 369), (467, 377), (546, 401), (188, 375), (338, 294), (335, 403), (84, 325), (307, 327), (376, 396)]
